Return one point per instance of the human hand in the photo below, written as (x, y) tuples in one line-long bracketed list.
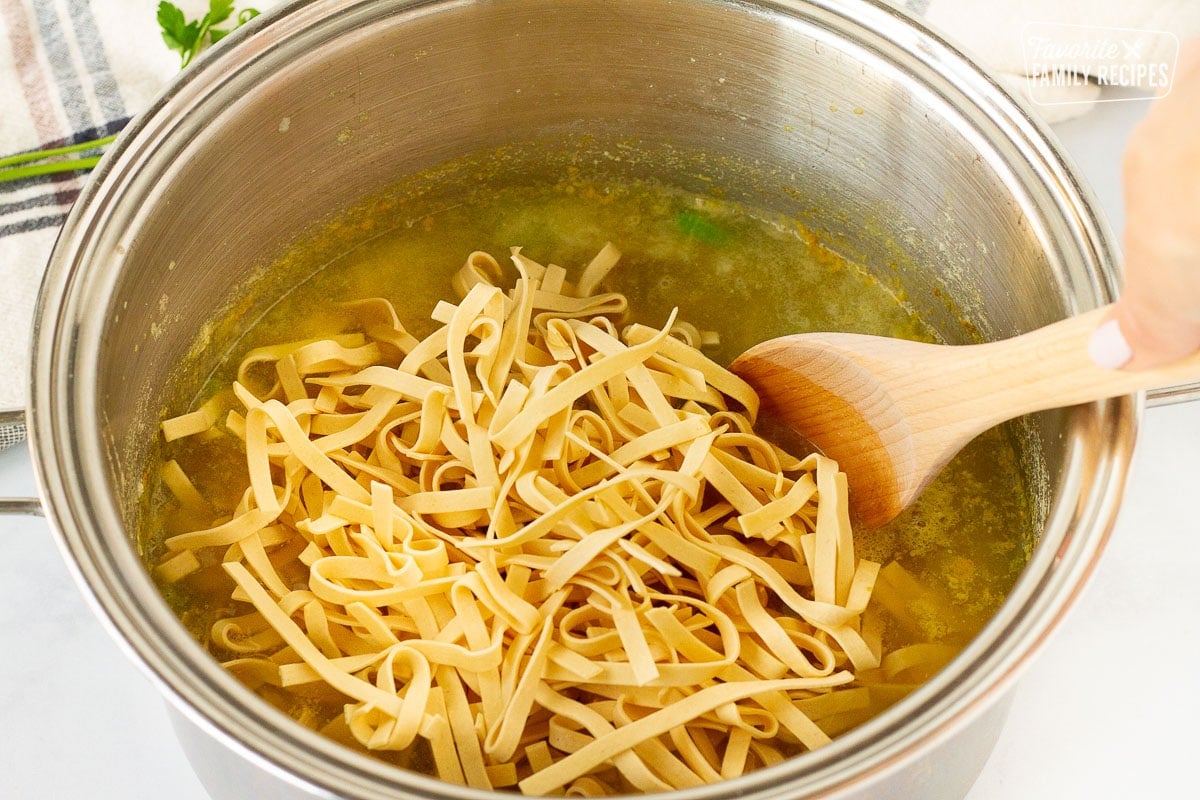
[(1157, 319)]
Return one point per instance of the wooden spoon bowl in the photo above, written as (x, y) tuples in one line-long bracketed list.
[(893, 412)]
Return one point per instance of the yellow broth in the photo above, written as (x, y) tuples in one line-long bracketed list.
[(747, 274)]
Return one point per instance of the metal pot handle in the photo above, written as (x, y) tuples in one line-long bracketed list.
[(12, 431), (1170, 395)]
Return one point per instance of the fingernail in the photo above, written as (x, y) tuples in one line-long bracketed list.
[(1108, 347)]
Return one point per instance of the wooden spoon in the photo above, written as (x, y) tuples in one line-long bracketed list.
[(893, 412)]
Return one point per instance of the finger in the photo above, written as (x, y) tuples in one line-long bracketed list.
[(1157, 319), (1145, 331), (1187, 63), (1158, 312), (1189, 57)]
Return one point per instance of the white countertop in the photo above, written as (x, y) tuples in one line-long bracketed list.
[(1096, 716)]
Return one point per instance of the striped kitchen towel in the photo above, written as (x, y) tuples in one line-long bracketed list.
[(70, 71)]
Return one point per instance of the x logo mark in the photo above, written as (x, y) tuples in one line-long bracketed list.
[(1132, 52)]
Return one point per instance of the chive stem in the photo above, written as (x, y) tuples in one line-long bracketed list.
[(49, 168), (22, 158), (20, 166)]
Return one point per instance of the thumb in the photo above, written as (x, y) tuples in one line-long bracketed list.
[(1157, 319), (1145, 330)]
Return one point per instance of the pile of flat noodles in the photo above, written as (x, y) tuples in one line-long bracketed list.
[(553, 549)]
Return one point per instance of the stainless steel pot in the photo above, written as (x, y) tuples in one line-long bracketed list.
[(877, 134)]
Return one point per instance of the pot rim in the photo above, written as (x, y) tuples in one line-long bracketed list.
[(69, 451)]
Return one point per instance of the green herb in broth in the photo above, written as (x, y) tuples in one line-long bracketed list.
[(747, 275)]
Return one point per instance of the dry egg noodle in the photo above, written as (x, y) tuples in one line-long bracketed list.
[(552, 549)]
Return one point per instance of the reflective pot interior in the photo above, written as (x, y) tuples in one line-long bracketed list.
[(876, 136)]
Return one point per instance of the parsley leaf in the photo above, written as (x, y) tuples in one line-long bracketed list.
[(176, 32), (189, 38), (219, 11)]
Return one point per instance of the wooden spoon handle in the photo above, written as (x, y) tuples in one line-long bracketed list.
[(1050, 367)]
